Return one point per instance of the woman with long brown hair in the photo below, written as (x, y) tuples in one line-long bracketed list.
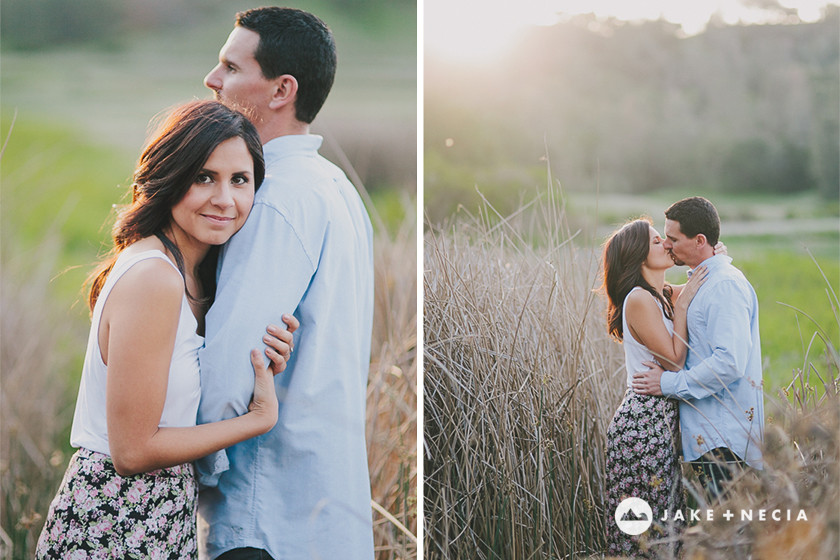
[(130, 490), (649, 317)]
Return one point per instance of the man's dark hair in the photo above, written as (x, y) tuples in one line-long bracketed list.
[(696, 215), (297, 43)]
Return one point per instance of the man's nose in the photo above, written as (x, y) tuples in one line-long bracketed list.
[(212, 79)]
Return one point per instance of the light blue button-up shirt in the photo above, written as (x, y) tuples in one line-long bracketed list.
[(721, 389), (302, 490)]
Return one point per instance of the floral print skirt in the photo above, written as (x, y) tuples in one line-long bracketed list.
[(99, 514), (643, 462)]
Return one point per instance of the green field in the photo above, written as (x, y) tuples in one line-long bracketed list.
[(794, 303)]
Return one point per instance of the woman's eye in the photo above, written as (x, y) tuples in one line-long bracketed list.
[(240, 180), (203, 178)]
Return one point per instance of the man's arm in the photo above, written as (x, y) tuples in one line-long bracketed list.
[(727, 332), (266, 271)]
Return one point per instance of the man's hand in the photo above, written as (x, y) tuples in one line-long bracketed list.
[(648, 382), (280, 343)]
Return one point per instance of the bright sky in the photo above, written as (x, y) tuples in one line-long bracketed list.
[(477, 30)]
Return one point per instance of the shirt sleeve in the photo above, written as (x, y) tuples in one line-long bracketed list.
[(265, 270), (727, 335)]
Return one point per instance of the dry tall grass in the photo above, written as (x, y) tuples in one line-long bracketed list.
[(521, 382), (37, 404), (392, 396), (35, 400)]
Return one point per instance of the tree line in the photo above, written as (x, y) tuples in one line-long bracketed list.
[(637, 108)]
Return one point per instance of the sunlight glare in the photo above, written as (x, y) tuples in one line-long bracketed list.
[(807, 10), (480, 31)]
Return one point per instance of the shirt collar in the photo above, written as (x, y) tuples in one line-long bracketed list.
[(712, 263), (292, 144)]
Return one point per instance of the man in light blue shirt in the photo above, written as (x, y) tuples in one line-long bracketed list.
[(303, 489), (720, 389)]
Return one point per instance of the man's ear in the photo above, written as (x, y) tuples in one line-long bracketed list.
[(285, 91), (700, 241)]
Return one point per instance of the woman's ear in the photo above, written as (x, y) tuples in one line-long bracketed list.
[(285, 91)]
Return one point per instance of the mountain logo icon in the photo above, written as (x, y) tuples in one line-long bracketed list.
[(633, 516)]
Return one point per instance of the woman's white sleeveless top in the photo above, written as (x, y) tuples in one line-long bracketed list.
[(90, 427), (634, 351)]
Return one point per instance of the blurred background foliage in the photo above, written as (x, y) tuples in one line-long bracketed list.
[(622, 107), (82, 80)]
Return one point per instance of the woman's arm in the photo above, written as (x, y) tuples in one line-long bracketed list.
[(140, 319), (644, 319)]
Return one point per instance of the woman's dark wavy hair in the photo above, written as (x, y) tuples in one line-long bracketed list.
[(624, 252), (170, 163)]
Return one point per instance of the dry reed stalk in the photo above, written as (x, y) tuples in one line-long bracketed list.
[(520, 384)]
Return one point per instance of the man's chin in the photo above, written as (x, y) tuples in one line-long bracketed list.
[(233, 104)]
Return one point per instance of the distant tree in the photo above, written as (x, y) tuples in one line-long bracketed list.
[(753, 165), (824, 140)]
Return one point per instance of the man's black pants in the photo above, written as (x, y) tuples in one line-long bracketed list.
[(245, 554), (715, 468)]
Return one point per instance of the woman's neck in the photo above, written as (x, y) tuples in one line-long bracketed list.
[(192, 254), (655, 278)]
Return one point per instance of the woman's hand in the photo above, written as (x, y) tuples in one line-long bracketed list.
[(264, 403), (720, 249), (280, 343), (698, 277)]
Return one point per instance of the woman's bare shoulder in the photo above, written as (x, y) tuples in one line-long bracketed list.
[(640, 297), (150, 279), (641, 306)]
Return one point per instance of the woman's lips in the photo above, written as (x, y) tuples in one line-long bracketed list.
[(219, 220)]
